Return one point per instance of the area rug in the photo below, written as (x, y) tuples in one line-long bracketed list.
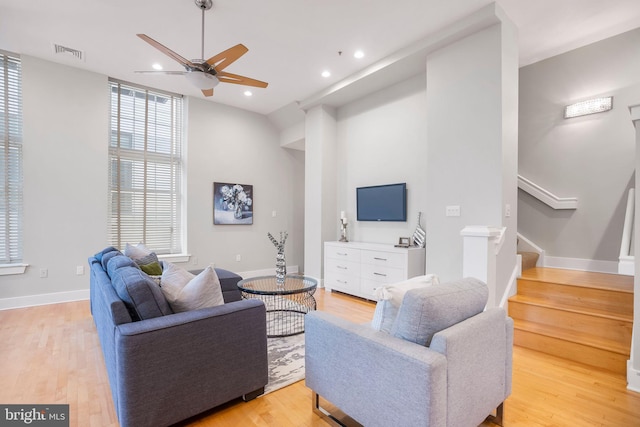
[(286, 361)]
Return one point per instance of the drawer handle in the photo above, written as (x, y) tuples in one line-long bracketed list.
[(380, 274), (342, 281), (342, 268), (342, 254), (380, 259)]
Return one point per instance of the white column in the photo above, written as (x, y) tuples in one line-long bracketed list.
[(479, 256), (633, 365), (320, 218)]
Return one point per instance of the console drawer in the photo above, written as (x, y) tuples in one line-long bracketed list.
[(391, 259)]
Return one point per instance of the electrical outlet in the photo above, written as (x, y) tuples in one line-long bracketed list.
[(452, 211), (238, 258), (194, 260), (80, 270), (274, 214), (44, 273), (507, 210)]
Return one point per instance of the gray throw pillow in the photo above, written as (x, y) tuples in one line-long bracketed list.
[(427, 311)]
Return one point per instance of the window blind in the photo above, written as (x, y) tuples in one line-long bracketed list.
[(10, 159), (145, 168)]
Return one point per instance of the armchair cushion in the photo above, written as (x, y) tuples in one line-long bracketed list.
[(390, 298), (426, 311)]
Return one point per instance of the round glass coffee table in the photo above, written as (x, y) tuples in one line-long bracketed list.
[(286, 303)]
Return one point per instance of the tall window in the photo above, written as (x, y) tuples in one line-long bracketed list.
[(10, 159), (145, 168)]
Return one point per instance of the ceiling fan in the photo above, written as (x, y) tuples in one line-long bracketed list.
[(205, 75)]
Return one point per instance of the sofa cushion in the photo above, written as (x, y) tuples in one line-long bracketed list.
[(228, 282), (186, 292), (99, 255), (426, 311), (390, 297), (140, 294), (136, 252), (106, 255), (150, 264)]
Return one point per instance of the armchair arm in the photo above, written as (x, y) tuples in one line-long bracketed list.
[(478, 352), (377, 379), (175, 366)]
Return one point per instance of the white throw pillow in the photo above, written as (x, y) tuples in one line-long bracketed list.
[(390, 297), (185, 292), (136, 252)]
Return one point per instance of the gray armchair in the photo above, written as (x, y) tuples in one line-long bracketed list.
[(446, 362)]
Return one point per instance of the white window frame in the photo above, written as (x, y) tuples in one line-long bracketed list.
[(11, 182), (140, 175)]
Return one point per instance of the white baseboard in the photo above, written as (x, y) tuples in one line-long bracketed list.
[(581, 264), (512, 287), (291, 269), (627, 266), (633, 378), (43, 299)]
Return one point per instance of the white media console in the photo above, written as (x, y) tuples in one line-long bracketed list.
[(358, 268)]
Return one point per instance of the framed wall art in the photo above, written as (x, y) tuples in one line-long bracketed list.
[(232, 203)]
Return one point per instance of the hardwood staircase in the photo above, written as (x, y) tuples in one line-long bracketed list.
[(580, 316)]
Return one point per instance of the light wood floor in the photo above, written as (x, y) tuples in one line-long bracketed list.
[(51, 354)]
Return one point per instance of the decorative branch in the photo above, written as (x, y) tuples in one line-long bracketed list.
[(279, 244)]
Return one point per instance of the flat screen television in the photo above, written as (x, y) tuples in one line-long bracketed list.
[(382, 202)]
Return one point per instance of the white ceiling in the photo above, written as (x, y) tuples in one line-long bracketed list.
[(290, 41)]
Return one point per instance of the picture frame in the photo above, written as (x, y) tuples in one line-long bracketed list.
[(403, 242), (232, 203)]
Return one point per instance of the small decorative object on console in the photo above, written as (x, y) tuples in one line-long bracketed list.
[(419, 236), (343, 227), (281, 263), (403, 242)]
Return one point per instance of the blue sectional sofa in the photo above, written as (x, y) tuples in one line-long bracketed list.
[(165, 367)]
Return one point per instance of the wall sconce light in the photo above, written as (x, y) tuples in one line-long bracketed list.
[(592, 106)]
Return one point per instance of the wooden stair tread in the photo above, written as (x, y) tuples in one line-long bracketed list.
[(562, 305), (612, 282), (572, 336)]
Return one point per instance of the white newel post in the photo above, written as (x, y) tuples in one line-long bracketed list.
[(479, 256), (633, 365)]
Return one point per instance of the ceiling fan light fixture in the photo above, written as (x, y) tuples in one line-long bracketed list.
[(202, 80)]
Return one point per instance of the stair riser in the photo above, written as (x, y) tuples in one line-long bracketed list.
[(576, 296), (617, 330), (591, 356)]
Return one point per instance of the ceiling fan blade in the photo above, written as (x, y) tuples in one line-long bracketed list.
[(207, 92), (181, 73), (240, 80), (228, 57), (162, 48)]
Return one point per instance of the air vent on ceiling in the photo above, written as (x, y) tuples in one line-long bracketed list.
[(63, 50)]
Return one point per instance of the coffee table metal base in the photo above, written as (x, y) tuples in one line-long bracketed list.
[(286, 306)]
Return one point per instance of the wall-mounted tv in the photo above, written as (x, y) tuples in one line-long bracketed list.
[(382, 202)]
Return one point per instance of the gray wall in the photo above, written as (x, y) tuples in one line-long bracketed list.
[(590, 157), (382, 140), (65, 182), (472, 148)]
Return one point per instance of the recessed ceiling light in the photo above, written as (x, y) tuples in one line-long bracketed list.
[(157, 66), (326, 73), (358, 54), (247, 93)]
